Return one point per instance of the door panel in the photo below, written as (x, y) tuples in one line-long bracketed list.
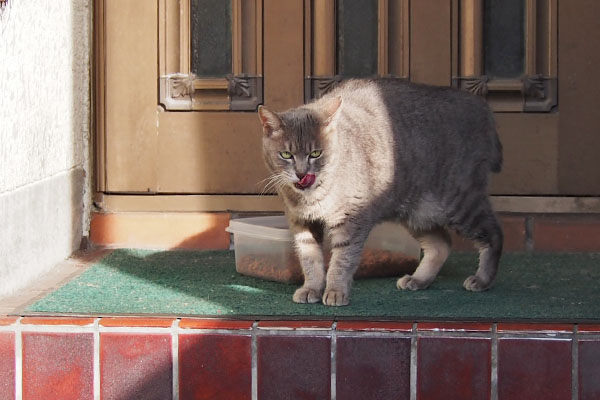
[(285, 53), (579, 146), (130, 96), (530, 144), (209, 152), (430, 42)]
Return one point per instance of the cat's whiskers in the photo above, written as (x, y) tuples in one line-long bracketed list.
[(275, 181)]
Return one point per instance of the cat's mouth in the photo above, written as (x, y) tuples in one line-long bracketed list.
[(306, 181)]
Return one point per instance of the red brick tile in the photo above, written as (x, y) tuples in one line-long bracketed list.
[(116, 322), (455, 326), (534, 369), (453, 368), (534, 327), (372, 368), (294, 367), (173, 230), (57, 321), (193, 323), (514, 235), (5, 321), (136, 366), (586, 328), (292, 325), (58, 366), (214, 367), (374, 326), (514, 232), (7, 364), (566, 233), (589, 369)]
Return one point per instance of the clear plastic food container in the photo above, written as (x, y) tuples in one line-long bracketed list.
[(264, 249)]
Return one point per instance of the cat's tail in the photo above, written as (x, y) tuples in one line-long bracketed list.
[(497, 159), (497, 154)]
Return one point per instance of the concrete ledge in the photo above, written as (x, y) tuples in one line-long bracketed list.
[(546, 204), (41, 226)]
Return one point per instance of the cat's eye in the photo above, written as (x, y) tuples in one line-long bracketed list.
[(315, 154), (286, 155)]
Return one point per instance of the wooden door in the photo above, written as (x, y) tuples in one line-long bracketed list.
[(178, 83)]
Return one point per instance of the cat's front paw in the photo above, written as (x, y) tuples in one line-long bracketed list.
[(336, 297), (410, 283), (307, 295)]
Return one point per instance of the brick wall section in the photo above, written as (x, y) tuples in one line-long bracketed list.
[(566, 233), (545, 232), (522, 232)]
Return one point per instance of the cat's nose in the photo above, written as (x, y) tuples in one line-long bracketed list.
[(300, 175)]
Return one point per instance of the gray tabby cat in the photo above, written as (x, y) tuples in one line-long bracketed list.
[(373, 150)]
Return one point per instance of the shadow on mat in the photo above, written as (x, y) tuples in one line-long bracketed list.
[(552, 287)]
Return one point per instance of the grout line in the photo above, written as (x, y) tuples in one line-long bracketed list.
[(413, 363), (293, 332), (375, 334), (18, 361), (575, 364), (137, 329), (254, 361), (454, 334), (494, 372), (175, 357), (57, 328), (333, 361), (96, 368), (537, 336), (191, 331)]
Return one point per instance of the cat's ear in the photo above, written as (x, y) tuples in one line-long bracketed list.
[(269, 119), (330, 109)]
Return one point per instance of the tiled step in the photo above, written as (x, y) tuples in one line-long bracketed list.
[(187, 358)]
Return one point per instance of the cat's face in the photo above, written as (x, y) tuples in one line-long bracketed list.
[(296, 147)]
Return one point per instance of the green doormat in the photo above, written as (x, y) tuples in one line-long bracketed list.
[(557, 287)]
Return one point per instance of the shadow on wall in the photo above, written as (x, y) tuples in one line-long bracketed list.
[(81, 121)]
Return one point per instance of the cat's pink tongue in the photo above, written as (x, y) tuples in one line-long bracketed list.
[(306, 181)]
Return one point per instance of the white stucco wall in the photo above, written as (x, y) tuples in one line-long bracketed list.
[(44, 135)]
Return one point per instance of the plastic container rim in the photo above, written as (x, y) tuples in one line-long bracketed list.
[(255, 227)]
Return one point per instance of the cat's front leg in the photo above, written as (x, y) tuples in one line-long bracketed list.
[(346, 248), (308, 239)]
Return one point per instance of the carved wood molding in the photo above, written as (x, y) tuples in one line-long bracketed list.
[(316, 86), (180, 89), (474, 84), (536, 93), (185, 92), (393, 31), (536, 90), (245, 92)]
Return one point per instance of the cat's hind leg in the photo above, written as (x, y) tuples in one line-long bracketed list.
[(436, 249), (484, 229)]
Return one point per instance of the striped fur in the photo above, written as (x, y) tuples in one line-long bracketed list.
[(390, 150)]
